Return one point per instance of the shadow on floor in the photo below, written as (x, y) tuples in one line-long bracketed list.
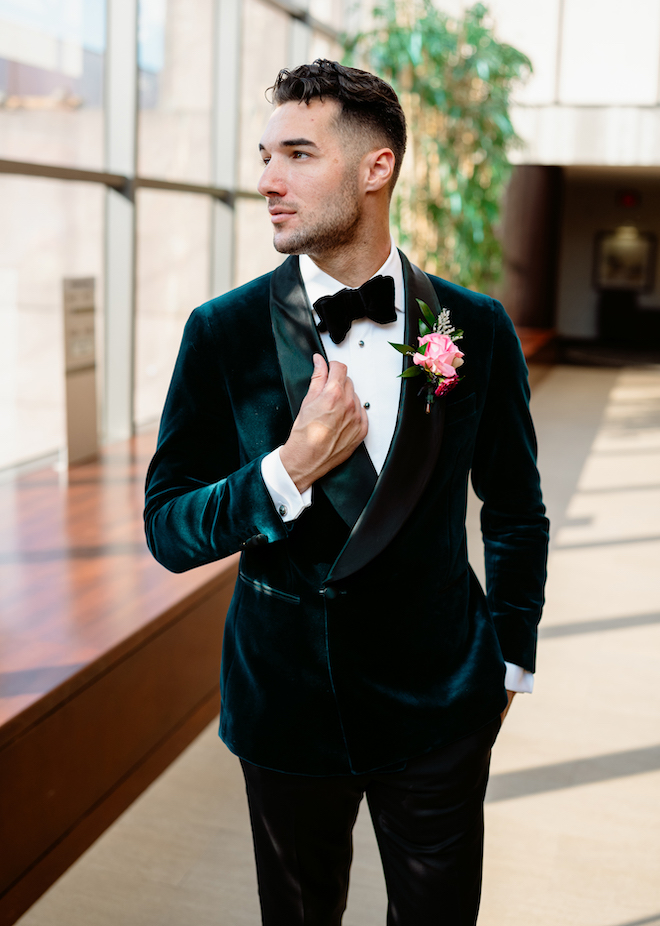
[(508, 785), (597, 626), (645, 922)]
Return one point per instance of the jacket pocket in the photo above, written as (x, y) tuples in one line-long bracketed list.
[(268, 589)]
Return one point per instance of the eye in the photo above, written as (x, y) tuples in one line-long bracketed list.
[(266, 160), (299, 154)]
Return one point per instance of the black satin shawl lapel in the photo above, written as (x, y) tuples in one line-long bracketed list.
[(348, 486), (412, 455)]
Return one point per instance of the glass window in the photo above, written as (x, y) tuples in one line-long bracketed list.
[(264, 53), (173, 276), (175, 45), (255, 253), (51, 81), (51, 229)]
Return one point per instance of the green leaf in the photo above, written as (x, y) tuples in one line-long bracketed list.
[(455, 203), (403, 348), (423, 329), (427, 313), (483, 70), (411, 371), (416, 48)]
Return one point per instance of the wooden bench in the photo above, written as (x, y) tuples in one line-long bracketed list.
[(108, 663)]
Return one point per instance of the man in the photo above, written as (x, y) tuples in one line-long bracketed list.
[(360, 654)]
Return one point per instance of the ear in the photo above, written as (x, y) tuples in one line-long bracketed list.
[(378, 169)]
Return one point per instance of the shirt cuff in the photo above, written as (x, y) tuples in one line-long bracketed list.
[(518, 679), (288, 501)]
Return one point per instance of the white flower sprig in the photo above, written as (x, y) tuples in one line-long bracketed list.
[(443, 325)]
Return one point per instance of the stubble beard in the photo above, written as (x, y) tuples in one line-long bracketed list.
[(335, 229)]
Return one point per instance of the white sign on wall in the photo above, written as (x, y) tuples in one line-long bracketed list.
[(80, 366)]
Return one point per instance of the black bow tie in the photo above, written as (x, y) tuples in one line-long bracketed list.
[(374, 300)]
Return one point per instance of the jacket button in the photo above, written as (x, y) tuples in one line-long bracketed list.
[(330, 592)]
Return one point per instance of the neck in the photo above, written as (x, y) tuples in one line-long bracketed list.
[(356, 263)]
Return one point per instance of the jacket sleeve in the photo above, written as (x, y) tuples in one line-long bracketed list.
[(204, 501), (505, 478)]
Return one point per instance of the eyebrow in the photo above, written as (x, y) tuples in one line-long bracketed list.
[(293, 143)]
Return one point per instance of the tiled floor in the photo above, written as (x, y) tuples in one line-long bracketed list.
[(573, 812)]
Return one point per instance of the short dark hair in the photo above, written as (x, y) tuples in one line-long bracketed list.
[(368, 104)]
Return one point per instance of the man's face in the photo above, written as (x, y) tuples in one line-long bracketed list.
[(309, 179)]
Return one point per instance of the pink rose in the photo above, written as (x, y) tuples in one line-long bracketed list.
[(442, 357)]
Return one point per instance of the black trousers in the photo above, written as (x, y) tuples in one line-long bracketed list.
[(428, 818)]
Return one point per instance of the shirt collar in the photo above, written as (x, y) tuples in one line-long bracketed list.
[(317, 283)]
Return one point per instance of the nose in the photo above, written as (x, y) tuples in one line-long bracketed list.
[(271, 182)]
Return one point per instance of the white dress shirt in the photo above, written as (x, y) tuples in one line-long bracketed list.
[(374, 367)]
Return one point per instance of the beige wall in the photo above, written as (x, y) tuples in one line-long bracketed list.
[(595, 92)]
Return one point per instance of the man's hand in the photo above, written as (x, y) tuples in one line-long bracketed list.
[(511, 696), (330, 425)]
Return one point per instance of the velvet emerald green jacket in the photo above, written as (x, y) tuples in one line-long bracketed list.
[(357, 636)]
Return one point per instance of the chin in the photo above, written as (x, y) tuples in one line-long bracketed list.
[(285, 245)]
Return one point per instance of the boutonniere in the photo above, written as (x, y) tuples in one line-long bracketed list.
[(437, 355)]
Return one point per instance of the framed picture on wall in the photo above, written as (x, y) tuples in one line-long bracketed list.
[(625, 259)]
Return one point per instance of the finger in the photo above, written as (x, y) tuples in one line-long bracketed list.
[(337, 372), (319, 376)]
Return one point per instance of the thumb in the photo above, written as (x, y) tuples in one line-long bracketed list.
[(319, 376)]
